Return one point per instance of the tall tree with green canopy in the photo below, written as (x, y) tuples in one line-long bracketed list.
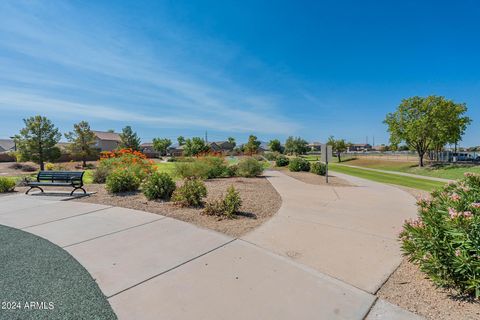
[(338, 146), (195, 146), (129, 139), (161, 145), (275, 145), (232, 141), (427, 123), (296, 145), (82, 141), (251, 147), (181, 141), (37, 141)]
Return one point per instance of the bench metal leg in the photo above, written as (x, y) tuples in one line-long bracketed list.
[(78, 188), (34, 187)]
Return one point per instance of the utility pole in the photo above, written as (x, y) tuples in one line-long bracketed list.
[(206, 136)]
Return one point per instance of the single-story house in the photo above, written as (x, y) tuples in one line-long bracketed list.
[(315, 146), (221, 146), (107, 141), (7, 145), (148, 150), (359, 147), (175, 150)]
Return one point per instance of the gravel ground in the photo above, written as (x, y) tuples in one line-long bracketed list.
[(34, 270), (311, 178), (260, 202), (408, 288)]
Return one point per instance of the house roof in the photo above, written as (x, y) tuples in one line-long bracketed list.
[(147, 144), (6, 145), (103, 135)]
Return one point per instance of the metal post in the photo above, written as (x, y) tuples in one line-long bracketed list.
[(326, 164)]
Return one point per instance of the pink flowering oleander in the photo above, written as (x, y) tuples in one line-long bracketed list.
[(455, 197), (467, 214), (476, 205), (453, 214)]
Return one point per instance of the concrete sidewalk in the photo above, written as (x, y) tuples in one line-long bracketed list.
[(153, 267), (411, 175)]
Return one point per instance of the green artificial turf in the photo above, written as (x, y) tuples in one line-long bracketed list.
[(36, 273), (417, 183)]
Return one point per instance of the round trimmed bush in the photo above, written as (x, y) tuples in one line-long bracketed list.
[(191, 193), (6, 184), (318, 168), (121, 180), (282, 161), (158, 185), (249, 167), (299, 164), (444, 241)]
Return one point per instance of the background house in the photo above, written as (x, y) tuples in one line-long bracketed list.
[(107, 141), (359, 147), (315, 146), (148, 150), (221, 146), (7, 145)]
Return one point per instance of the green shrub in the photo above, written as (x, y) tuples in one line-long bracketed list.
[(122, 181), (299, 164), (232, 170), (216, 167), (444, 241), (271, 156), (318, 168), (172, 159), (282, 161), (188, 170), (227, 206), (6, 184), (101, 173), (249, 167), (191, 193), (258, 157), (159, 185)]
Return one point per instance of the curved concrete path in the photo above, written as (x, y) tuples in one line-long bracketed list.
[(320, 257)]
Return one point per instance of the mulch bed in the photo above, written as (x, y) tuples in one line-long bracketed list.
[(409, 288), (260, 202)]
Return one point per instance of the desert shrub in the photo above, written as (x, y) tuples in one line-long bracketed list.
[(271, 156), (127, 159), (216, 167), (318, 168), (22, 166), (49, 166), (6, 184), (227, 206), (444, 241), (188, 170), (299, 164), (101, 173), (258, 157), (191, 193), (249, 167), (231, 170), (120, 180), (282, 161), (158, 186)]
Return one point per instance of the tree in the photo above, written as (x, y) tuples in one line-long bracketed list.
[(296, 146), (251, 147), (427, 123), (231, 140), (82, 141), (129, 139), (195, 146), (37, 141), (181, 141), (338, 146), (161, 145), (275, 145)]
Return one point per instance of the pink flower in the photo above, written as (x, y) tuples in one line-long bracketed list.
[(476, 205), (453, 214), (457, 253), (467, 214), (455, 197)]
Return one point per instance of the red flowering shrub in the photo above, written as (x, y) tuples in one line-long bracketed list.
[(126, 159)]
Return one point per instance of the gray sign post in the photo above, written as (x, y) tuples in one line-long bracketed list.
[(326, 156)]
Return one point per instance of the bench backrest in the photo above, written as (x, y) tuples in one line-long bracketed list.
[(64, 176)]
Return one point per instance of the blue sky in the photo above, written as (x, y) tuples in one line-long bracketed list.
[(274, 69)]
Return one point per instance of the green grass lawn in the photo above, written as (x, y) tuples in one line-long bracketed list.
[(448, 171), (417, 183)]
